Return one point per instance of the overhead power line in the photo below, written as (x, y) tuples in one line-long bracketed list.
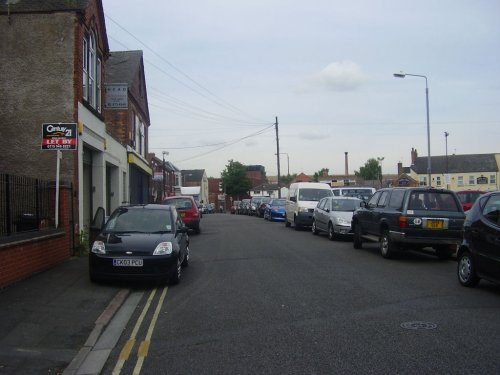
[(218, 100)]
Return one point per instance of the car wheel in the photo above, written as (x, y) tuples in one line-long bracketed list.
[(331, 232), (466, 270), (387, 247), (176, 276), (314, 230), (357, 241), (295, 225), (185, 262), (287, 223)]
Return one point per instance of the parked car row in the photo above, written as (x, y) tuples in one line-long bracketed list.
[(400, 219)]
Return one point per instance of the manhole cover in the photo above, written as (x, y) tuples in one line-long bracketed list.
[(418, 325)]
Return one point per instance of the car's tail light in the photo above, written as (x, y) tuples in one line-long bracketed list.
[(403, 222)]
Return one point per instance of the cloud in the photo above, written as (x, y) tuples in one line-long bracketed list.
[(337, 76)]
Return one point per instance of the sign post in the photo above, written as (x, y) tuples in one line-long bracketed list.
[(59, 136)]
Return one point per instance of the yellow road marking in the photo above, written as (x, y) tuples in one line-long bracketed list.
[(129, 345), (144, 346)]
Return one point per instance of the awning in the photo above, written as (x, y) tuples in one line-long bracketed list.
[(134, 159)]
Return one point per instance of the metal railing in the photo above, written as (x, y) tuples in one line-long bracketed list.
[(26, 204)]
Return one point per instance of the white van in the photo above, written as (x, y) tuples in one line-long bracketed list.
[(301, 200), (361, 192)]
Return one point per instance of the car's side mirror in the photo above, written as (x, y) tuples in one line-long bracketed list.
[(363, 204), (293, 199)]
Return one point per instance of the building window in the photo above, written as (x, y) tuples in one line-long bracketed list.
[(438, 181), (471, 180), (460, 180), (422, 180), (493, 179), (92, 71)]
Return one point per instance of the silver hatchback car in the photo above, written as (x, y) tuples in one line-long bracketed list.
[(333, 215)]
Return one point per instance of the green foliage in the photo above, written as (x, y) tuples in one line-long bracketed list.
[(234, 179), (371, 170), (319, 174), (286, 180)]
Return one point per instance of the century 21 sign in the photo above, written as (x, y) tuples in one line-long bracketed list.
[(59, 136)]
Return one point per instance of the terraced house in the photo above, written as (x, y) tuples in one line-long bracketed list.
[(53, 55)]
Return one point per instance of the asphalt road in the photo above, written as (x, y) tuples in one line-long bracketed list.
[(259, 298)]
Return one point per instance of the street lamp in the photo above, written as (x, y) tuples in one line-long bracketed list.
[(163, 176), (287, 161), (380, 177), (403, 75), (447, 178)]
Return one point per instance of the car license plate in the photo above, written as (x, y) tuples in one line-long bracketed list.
[(434, 223), (127, 262)]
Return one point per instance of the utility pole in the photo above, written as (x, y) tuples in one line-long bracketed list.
[(278, 156)]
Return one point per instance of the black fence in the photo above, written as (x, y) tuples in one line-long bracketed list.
[(26, 204)]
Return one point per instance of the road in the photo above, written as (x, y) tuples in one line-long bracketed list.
[(259, 298)]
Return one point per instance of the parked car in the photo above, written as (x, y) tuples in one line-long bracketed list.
[(188, 210), (254, 205), (468, 197), (479, 254), (140, 242), (301, 200), (360, 192), (262, 206), (235, 207), (244, 207), (275, 210), (410, 218), (333, 215)]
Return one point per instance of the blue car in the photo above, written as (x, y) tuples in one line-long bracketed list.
[(275, 210)]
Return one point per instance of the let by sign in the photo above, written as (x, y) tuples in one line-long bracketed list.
[(59, 136)]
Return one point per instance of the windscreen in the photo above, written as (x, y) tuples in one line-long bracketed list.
[(315, 195), (180, 203), (141, 220), (349, 205)]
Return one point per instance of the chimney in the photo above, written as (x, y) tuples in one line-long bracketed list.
[(346, 164), (414, 156), (400, 168)]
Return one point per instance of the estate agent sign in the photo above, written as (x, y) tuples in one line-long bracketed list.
[(59, 136)]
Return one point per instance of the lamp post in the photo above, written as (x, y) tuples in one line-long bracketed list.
[(403, 75), (380, 176), (163, 176), (287, 162), (447, 177)]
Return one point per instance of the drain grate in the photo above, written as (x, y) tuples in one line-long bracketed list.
[(418, 325)]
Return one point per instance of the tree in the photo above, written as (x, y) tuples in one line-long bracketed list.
[(286, 180), (234, 179), (371, 170), (319, 174)]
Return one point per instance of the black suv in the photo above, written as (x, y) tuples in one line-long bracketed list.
[(411, 218)]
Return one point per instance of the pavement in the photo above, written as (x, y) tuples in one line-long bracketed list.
[(58, 322)]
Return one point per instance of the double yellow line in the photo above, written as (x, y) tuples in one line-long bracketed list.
[(143, 348)]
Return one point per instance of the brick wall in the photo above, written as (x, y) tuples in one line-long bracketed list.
[(26, 257)]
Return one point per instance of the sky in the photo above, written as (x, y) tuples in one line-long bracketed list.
[(220, 72)]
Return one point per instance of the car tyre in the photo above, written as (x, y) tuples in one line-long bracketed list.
[(295, 225), (287, 223), (331, 232), (357, 241), (387, 246), (176, 276), (185, 262), (314, 230), (466, 271)]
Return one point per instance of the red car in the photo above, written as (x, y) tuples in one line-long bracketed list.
[(187, 208), (468, 197)]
